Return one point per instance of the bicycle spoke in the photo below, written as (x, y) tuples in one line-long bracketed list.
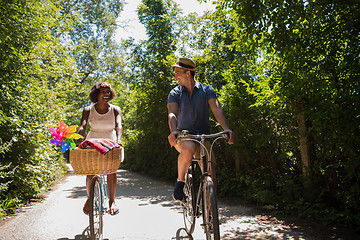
[(188, 206), (96, 211)]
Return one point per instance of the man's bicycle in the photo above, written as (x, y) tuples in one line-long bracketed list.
[(205, 197)]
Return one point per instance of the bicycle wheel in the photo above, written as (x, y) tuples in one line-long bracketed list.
[(210, 210), (189, 205), (96, 210)]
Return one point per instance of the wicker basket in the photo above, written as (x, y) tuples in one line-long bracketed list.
[(91, 162)]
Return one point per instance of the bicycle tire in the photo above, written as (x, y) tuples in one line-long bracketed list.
[(210, 210), (190, 203), (96, 210)]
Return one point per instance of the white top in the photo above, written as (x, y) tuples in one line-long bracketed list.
[(102, 125)]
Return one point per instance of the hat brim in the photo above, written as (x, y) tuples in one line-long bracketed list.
[(191, 69)]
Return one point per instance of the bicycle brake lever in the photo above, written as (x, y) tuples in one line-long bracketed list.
[(227, 135)]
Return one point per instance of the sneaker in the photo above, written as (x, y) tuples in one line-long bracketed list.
[(178, 194)]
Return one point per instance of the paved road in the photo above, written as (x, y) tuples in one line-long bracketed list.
[(146, 212)]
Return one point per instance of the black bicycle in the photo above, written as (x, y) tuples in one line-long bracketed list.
[(205, 197)]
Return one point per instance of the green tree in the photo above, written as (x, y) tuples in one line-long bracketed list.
[(151, 78), (50, 51), (294, 64), (31, 57), (90, 40)]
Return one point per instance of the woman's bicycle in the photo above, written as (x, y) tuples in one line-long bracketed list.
[(91, 162), (205, 197), (98, 197)]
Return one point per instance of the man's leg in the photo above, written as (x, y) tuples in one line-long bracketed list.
[(186, 150)]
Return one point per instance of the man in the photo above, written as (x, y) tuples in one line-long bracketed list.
[(188, 109)]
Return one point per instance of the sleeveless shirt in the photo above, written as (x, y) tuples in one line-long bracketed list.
[(102, 125)]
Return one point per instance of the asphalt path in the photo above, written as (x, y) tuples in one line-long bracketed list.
[(147, 211)]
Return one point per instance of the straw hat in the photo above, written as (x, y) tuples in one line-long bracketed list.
[(186, 63)]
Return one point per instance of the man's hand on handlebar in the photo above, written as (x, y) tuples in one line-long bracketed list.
[(172, 138), (230, 136)]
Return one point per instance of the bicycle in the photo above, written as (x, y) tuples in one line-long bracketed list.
[(205, 196), (91, 162), (98, 197)]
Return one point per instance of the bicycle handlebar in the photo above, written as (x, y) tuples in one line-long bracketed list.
[(184, 134)]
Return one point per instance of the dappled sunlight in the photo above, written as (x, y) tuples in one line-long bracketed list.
[(258, 227), (77, 192), (140, 198), (147, 211), (135, 185)]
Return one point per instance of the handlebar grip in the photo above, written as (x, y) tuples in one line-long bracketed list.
[(227, 134)]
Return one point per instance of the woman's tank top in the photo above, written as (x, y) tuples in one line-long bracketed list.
[(102, 125)]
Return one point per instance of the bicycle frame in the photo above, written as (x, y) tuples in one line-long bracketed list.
[(103, 191), (204, 170)]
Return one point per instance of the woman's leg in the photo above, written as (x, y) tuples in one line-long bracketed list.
[(86, 207), (111, 182), (88, 184)]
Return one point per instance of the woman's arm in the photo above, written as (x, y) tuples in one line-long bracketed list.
[(84, 121), (118, 124)]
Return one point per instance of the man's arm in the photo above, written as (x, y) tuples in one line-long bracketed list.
[(220, 117), (172, 121)]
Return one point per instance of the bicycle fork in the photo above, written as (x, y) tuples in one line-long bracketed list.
[(103, 193), (204, 174), (198, 201)]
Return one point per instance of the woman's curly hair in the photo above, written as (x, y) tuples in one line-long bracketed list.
[(95, 90)]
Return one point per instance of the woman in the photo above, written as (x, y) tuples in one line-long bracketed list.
[(105, 122)]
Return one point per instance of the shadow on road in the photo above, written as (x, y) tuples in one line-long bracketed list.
[(252, 222), (136, 186), (84, 236), (77, 192), (182, 234), (238, 221)]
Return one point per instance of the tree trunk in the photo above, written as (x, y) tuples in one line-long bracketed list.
[(304, 144)]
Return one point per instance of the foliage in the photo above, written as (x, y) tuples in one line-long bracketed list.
[(31, 58), (272, 63), (285, 72), (89, 38), (146, 119), (278, 60), (44, 50)]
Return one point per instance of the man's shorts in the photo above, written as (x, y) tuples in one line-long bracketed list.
[(197, 151)]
